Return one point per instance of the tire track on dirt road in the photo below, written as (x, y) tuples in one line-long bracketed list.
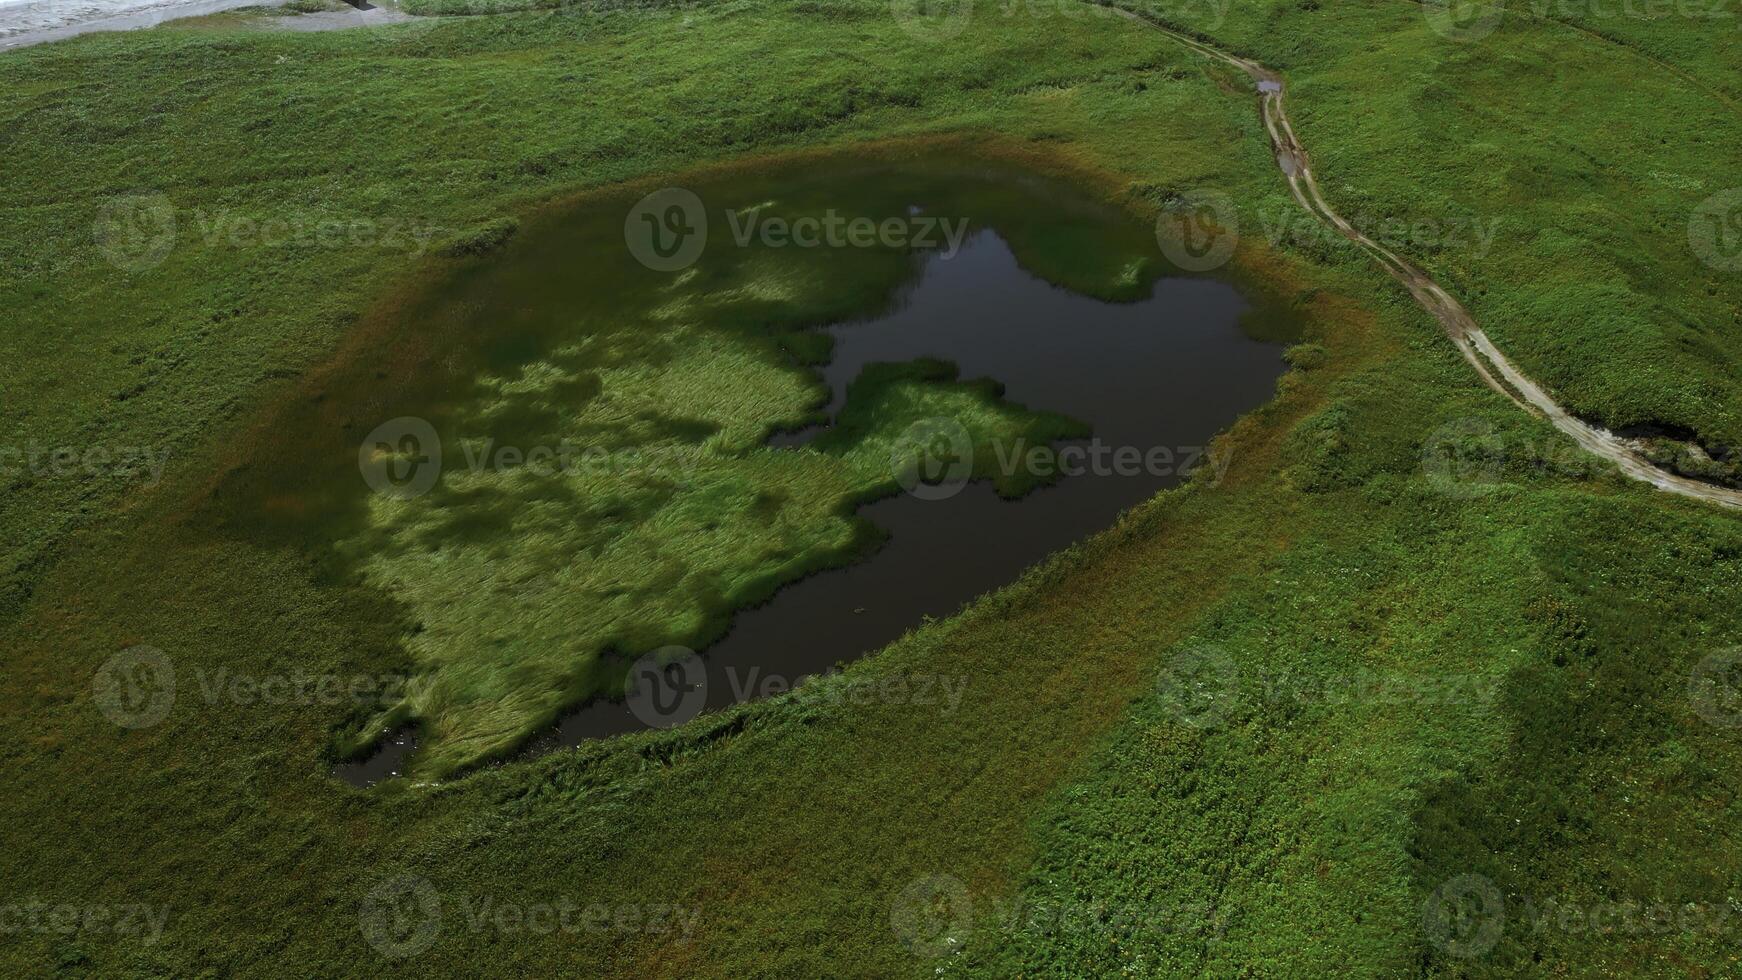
[(1495, 369)]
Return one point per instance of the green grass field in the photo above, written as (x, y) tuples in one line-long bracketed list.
[(1258, 728)]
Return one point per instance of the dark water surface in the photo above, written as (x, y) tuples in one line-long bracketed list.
[(1166, 373), (1155, 365)]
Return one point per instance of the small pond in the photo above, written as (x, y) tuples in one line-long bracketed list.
[(603, 438)]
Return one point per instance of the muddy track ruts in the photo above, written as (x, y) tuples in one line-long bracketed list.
[(1490, 364)]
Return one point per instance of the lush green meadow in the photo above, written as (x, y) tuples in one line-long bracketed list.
[(1252, 730)]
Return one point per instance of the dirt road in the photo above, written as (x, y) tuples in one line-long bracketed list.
[(1492, 365)]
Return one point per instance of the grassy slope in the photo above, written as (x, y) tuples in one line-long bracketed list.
[(792, 826), (1589, 184)]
